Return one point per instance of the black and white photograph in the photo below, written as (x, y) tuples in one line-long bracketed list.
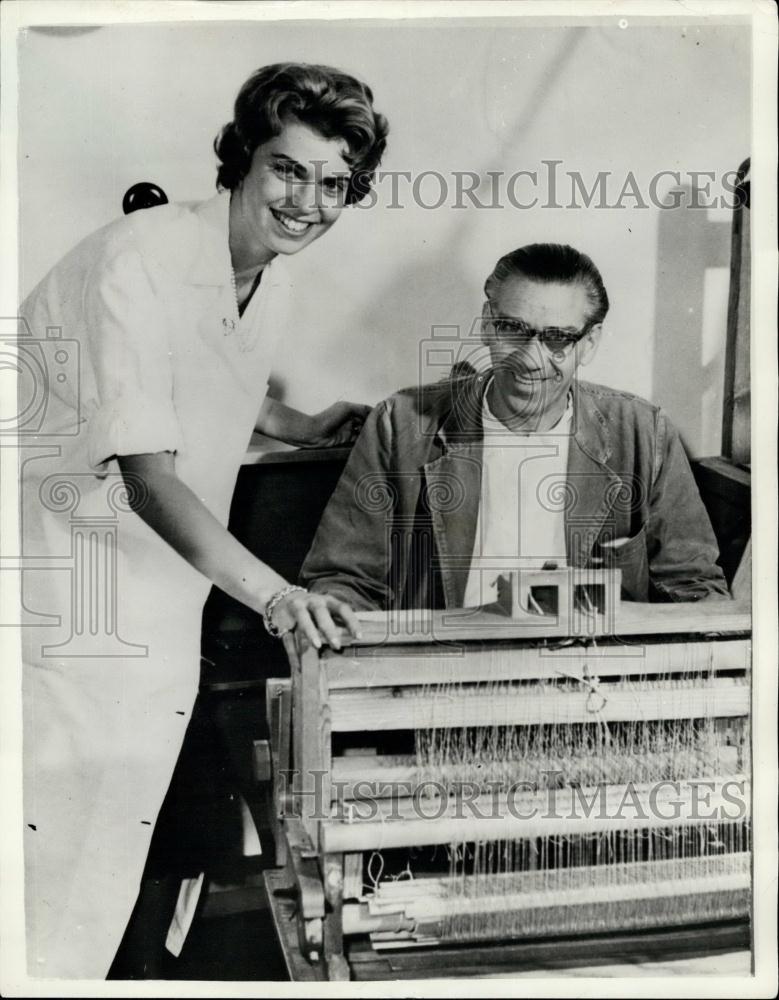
[(380, 390)]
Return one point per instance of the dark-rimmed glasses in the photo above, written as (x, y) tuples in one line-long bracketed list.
[(556, 340)]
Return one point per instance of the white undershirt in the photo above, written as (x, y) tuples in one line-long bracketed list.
[(522, 503)]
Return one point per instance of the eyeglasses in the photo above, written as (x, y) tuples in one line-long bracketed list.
[(556, 340)]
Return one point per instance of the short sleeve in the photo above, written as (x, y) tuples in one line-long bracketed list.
[(129, 348)]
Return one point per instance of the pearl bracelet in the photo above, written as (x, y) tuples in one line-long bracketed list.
[(267, 615)]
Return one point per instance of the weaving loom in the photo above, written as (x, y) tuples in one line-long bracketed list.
[(465, 792)]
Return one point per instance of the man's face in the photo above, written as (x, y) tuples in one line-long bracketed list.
[(532, 378)]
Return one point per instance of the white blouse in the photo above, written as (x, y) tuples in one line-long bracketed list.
[(148, 354)]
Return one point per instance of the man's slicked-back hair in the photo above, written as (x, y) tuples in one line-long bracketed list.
[(325, 99), (552, 263)]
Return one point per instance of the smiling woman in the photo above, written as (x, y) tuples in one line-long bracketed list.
[(174, 311), (292, 194), (304, 142)]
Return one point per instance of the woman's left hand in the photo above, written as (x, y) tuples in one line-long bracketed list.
[(338, 425)]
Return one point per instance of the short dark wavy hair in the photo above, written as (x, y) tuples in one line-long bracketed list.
[(333, 103), (552, 262)]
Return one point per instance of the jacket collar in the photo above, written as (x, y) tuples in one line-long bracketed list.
[(454, 481), (590, 427), (592, 487), (461, 426)]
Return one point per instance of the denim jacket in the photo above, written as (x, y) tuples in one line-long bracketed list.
[(400, 527)]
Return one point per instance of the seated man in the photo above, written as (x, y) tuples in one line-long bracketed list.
[(451, 484)]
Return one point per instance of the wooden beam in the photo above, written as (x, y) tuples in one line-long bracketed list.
[(421, 820), (620, 911), (520, 705), (282, 899), (383, 776), (643, 949), (736, 422), (496, 662), (632, 619), (311, 731), (433, 909)]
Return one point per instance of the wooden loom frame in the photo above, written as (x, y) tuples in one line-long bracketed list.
[(315, 854)]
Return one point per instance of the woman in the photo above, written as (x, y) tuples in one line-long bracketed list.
[(172, 313)]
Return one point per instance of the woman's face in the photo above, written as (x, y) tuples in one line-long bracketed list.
[(293, 193)]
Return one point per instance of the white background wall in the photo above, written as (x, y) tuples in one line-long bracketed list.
[(103, 109)]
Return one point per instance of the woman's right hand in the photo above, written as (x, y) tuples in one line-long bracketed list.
[(316, 616)]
